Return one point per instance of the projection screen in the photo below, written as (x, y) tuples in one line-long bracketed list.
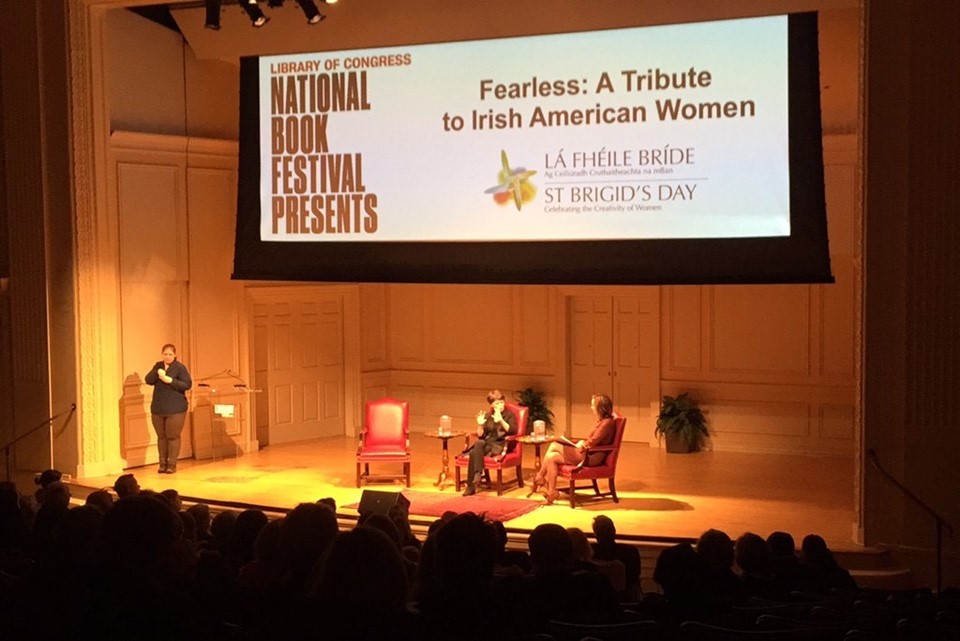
[(683, 153)]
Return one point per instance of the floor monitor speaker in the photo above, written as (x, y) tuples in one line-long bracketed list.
[(381, 502)]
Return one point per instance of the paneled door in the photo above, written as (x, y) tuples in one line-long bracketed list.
[(615, 349), (299, 365)]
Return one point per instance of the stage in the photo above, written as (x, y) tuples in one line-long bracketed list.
[(662, 496)]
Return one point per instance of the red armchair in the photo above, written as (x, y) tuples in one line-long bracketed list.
[(385, 438), (512, 455), (606, 470)]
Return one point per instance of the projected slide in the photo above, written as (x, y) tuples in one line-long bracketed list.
[(672, 132)]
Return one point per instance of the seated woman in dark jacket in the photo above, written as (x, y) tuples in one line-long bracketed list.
[(562, 454)]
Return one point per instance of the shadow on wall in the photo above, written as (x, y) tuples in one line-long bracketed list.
[(136, 433)]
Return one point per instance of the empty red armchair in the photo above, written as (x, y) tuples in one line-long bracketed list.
[(605, 470), (384, 439), (512, 455)]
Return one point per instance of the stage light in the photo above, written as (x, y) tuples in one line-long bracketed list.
[(310, 10), (213, 15), (257, 19)]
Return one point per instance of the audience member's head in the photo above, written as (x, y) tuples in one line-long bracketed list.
[(305, 535), (679, 572), (329, 501), (752, 554), (244, 536), (43, 481), (604, 529), (814, 551), (221, 529), (823, 574), (500, 535), (189, 527), (139, 545), (100, 499), (386, 525), (399, 513), (201, 516), (126, 485), (172, 498), (363, 575), (551, 550), (266, 548), (781, 545), (77, 536), (57, 495), (465, 553), (581, 544), (47, 477), (716, 548)]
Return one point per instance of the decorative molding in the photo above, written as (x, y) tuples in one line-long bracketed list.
[(197, 150), (84, 41)]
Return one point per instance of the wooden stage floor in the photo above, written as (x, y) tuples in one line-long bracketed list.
[(661, 495)]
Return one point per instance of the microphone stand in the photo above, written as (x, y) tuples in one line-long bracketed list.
[(46, 422)]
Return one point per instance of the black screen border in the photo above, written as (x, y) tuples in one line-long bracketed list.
[(803, 257)]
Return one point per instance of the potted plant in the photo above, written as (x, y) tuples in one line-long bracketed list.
[(537, 409), (682, 423)]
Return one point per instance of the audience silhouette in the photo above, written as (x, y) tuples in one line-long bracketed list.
[(752, 556), (363, 586), (126, 485), (823, 572), (607, 549), (146, 567)]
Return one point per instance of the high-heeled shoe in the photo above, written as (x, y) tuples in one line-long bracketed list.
[(538, 482), (552, 496)]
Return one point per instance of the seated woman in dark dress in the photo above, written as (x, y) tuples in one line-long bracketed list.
[(561, 454)]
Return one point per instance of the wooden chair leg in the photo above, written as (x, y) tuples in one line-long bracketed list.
[(358, 473), (406, 472), (596, 487), (519, 477), (613, 491), (499, 482), (573, 494), (456, 479)]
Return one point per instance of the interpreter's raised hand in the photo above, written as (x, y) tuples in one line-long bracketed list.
[(481, 418)]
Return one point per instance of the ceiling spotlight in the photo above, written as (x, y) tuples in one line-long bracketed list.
[(213, 15), (310, 10), (330, 1), (257, 19)]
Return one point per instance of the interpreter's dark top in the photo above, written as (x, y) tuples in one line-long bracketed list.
[(494, 434), (169, 398)]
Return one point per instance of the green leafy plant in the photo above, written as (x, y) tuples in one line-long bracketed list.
[(681, 419), (537, 409)]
